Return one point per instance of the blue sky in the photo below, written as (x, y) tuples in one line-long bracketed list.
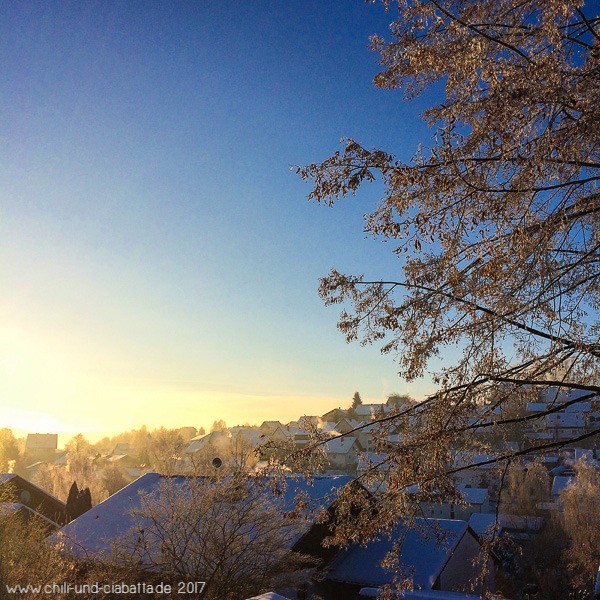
[(160, 261)]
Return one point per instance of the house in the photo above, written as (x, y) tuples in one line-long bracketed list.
[(436, 554), (346, 424), (479, 470), (335, 415), (342, 453), (215, 440), (516, 527), (475, 500), (16, 490), (93, 533), (41, 447), (302, 437), (365, 437), (368, 412), (269, 427), (122, 448), (25, 514)]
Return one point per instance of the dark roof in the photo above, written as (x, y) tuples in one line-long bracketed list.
[(14, 488)]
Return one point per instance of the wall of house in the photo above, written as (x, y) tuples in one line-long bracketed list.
[(460, 571)]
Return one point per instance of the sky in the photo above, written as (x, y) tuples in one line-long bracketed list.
[(159, 260)]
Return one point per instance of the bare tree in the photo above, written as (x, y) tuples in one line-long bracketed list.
[(495, 226), (527, 487), (80, 468), (581, 504), (228, 533), (24, 557)]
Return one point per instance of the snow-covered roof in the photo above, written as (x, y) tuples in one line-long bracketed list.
[(484, 524), (565, 419), (367, 410), (321, 491), (535, 407), (270, 424), (41, 441), (463, 459), (425, 552), (473, 495), (585, 406), (368, 459), (340, 445), (352, 423), (93, 533), (560, 482), (329, 426)]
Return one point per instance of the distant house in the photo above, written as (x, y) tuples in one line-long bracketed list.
[(311, 420), (342, 453), (368, 412), (269, 427), (41, 447), (517, 527), (16, 490), (481, 470), (475, 500), (566, 425), (365, 437), (335, 415), (216, 440), (346, 424), (436, 554), (280, 434), (122, 448)]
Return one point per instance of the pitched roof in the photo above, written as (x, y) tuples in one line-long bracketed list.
[(422, 554), (485, 524), (93, 533), (23, 491), (321, 490), (7, 508), (41, 441), (340, 445), (560, 482), (473, 495)]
